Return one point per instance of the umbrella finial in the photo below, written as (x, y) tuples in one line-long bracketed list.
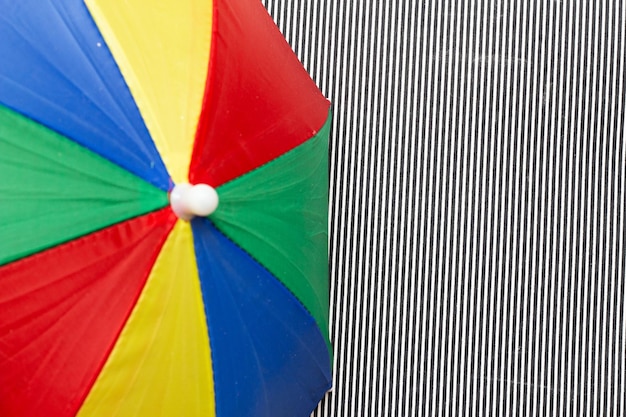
[(188, 201)]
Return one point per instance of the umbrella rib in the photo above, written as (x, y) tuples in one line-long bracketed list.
[(155, 130), (54, 105), (122, 114), (152, 124), (321, 366), (61, 162), (97, 71), (274, 275)]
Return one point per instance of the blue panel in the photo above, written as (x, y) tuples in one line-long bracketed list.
[(56, 69), (269, 358)]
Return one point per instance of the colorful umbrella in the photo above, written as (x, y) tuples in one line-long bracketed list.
[(124, 290)]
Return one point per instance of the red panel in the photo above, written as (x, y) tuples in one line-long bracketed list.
[(259, 102), (61, 311)]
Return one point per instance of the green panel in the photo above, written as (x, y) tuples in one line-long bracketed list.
[(278, 213), (53, 190)]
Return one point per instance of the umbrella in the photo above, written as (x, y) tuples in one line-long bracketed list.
[(163, 212)]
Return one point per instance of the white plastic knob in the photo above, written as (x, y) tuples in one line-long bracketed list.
[(188, 201)]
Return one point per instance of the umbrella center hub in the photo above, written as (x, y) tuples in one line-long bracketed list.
[(189, 201)]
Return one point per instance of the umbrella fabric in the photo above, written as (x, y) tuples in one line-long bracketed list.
[(110, 305)]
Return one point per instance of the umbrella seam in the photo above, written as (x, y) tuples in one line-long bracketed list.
[(107, 356), (320, 365), (328, 121), (40, 250), (265, 268)]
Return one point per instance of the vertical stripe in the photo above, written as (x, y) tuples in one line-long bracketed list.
[(477, 203)]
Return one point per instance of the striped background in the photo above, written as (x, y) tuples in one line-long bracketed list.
[(478, 170)]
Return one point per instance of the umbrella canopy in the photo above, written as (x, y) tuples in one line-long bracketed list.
[(163, 212)]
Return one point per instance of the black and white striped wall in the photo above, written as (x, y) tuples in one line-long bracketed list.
[(478, 186)]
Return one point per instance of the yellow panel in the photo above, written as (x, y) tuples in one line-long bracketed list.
[(161, 364), (162, 48)]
